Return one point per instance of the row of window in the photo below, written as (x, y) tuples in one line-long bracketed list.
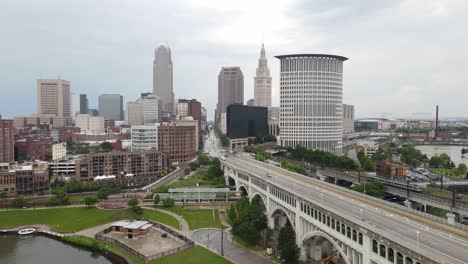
[(332, 223), (283, 196), (390, 254)]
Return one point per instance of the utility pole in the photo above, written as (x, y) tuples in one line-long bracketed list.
[(222, 240)]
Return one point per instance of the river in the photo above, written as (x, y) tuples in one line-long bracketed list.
[(453, 151), (44, 250)]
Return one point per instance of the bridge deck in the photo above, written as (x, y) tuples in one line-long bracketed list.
[(443, 246)]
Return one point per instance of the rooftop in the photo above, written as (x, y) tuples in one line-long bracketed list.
[(341, 58)]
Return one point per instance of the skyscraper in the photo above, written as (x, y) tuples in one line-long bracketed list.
[(83, 104), (79, 104), (6, 140), (53, 97), (311, 91), (162, 77), (230, 90), (262, 82), (111, 106), (134, 113)]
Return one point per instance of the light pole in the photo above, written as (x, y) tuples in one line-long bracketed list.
[(417, 237), (362, 218)]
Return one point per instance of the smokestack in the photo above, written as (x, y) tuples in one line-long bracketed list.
[(437, 123)]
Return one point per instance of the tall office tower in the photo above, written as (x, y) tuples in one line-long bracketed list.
[(230, 90), (134, 113), (53, 97), (311, 90), (162, 77), (7, 151), (111, 106), (79, 104), (83, 104), (262, 82), (348, 119), (152, 109)]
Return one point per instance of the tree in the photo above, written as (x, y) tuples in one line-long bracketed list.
[(133, 202), (162, 189), (203, 159), (106, 147), (168, 202), (287, 247), (156, 199), (90, 200), (435, 162), (61, 196), (362, 158), (215, 171), (3, 194), (103, 193), (248, 221), (187, 171), (462, 168), (18, 202), (369, 165)]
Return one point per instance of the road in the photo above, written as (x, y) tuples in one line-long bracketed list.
[(212, 145), (437, 244), (211, 238)]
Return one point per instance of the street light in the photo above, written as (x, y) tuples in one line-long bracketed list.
[(362, 218), (417, 237)]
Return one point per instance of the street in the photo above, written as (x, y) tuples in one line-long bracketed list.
[(213, 145)]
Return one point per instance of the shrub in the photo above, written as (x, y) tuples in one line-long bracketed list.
[(156, 199), (90, 200), (168, 202), (18, 202), (133, 202)]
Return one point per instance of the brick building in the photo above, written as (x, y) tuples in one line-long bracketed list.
[(179, 141), (34, 149), (7, 153), (129, 168), (388, 169), (25, 179)]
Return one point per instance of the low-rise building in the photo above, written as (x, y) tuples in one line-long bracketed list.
[(25, 179), (368, 147), (393, 171), (129, 168), (132, 229), (90, 124), (30, 149)]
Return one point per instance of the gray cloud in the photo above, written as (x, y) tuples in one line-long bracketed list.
[(405, 56)]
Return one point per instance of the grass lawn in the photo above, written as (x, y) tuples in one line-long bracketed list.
[(436, 211), (192, 180), (197, 218), (195, 255), (243, 244), (69, 220)]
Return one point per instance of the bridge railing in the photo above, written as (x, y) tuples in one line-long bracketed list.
[(401, 207), (390, 204)]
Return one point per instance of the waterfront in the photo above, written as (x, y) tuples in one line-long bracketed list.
[(453, 151), (44, 250)]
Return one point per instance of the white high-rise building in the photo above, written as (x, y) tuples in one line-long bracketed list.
[(90, 124), (311, 91), (152, 109), (348, 119), (53, 97), (262, 82), (134, 113), (144, 137), (162, 77)]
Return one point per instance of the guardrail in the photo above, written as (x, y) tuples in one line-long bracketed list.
[(188, 243)]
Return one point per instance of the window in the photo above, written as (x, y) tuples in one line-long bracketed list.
[(391, 255), (375, 246), (383, 251)]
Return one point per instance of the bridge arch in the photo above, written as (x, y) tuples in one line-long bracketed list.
[(244, 190), (317, 245), (278, 214), (259, 200)]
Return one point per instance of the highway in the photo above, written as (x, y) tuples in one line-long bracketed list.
[(436, 244)]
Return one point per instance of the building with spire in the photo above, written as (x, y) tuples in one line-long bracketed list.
[(162, 77), (262, 82)]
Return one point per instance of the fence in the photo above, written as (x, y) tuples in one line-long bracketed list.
[(188, 243)]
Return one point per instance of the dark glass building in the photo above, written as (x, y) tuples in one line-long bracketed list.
[(246, 121)]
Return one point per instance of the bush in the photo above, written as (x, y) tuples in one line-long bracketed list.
[(156, 199), (90, 200), (133, 202), (137, 210), (3, 194), (168, 202), (18, 202), (162, 189)]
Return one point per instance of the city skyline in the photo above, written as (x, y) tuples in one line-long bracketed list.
[(413, 86)]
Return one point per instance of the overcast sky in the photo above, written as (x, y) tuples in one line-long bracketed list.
[(404, 56)]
